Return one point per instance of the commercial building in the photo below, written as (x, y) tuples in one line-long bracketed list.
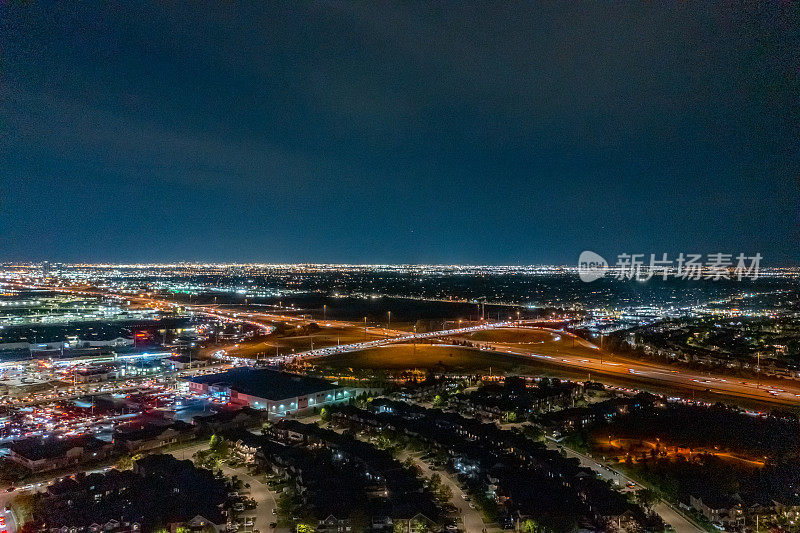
[(278, 393)]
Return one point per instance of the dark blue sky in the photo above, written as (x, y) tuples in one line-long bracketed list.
[(397, 132)]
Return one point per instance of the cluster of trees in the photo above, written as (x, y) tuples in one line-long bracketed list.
[(217, 454), (441, 491), (715, 427)]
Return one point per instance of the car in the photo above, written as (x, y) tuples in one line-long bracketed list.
[(471, 505), (273, 525)]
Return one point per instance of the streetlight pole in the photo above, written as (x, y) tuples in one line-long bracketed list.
[(601, 348), (389, 323), (758, 370), (324, 312)]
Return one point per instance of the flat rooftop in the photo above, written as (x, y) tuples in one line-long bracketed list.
[(267, 384)]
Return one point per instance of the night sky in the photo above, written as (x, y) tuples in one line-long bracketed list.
[(403, 132)]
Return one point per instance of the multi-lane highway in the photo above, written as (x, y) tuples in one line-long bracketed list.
[(785, 391)]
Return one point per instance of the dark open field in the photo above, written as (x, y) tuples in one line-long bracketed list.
[(287, 342), (540, 341), (440, 356)]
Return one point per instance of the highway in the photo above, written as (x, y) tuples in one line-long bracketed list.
[(785, 392), (398, 338), (781, 392)]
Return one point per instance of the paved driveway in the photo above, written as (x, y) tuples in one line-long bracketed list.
[(265, 499), (473, 523)]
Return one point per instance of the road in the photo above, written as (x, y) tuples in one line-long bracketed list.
[(40, 485), (784, 392), (472, 521), (266, 504), (667, 513)]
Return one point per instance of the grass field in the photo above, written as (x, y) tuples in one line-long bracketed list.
[(426, 356), (538, 341), (287, 343), (460, 358)]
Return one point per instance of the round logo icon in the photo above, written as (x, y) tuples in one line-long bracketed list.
[(591, 266)]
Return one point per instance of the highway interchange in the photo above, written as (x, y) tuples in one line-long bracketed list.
[(767, 391)]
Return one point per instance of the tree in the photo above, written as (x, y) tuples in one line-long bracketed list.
[(647, 497), (124, 463), (216, 444), (325, 415), (445, 493), (358, 520), (529, 526), (435, 482), (420, 526)]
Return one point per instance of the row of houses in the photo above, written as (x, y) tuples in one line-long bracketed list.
[(158, 490), (731, 511), (523, 477), (336, 475), (575, 418), (493, 401), (143, 435)]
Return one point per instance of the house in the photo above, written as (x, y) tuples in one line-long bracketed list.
[(230, 420), (332, 524), (115, 526), (137, 438), (199, 524), (244, 444), (417, 524), (725, 510), (42, 454)]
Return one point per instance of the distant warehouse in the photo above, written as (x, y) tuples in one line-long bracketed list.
[(278, 393)]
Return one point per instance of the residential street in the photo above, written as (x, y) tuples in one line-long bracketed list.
[(472, 521), (266, 501), (667, 513)]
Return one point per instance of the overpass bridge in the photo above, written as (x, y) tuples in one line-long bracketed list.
[(356, 346)]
